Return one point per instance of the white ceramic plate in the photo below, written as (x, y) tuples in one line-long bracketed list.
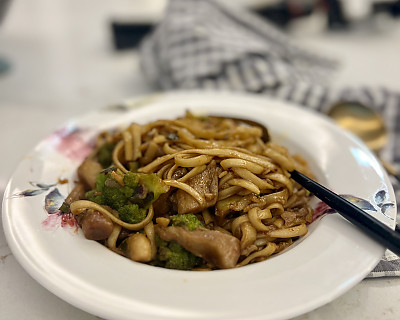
[(332, 258)]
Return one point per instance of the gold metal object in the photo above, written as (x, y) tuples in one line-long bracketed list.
[(365, 123)]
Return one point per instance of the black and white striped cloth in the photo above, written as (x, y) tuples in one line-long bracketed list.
[(200, 44)]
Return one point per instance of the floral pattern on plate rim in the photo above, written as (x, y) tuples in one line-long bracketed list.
[(73, 143)]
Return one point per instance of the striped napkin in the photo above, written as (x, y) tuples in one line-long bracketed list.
[(200, 44)]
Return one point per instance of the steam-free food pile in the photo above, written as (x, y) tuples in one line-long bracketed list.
[(193, 193)]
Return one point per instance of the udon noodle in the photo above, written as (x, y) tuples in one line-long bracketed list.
[(197, 193)]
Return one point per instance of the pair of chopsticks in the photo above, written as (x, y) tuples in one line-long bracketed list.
[(371, 226)]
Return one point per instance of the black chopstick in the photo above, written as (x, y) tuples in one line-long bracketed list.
[(371, 226)]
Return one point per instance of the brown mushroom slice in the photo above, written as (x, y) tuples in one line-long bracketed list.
[(206, 184), (96, 226), (88, 171), (217, 248)]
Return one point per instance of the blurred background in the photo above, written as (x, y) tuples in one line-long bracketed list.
[(62, 58)]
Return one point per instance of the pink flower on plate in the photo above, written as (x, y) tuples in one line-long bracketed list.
[(67, 221), (56, 218), (72, 142)]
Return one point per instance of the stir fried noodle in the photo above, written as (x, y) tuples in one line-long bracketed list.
[(195, 193)]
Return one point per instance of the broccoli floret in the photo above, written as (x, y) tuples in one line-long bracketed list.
[(188, 220), (124, 196), (131, 213), (154, 184), (95, 196), (173, 256), (131, 180), (126, 191), (104, 155), (100, 181), (114, 197)]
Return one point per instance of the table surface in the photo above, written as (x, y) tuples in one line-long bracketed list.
[(62, 64)]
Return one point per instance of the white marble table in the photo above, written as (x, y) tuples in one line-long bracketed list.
[(62, 64)]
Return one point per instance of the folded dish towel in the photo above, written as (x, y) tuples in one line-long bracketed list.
[(200, 44)]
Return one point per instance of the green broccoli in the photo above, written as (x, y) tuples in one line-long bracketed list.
[(123, 196), (131, 213), (95, 196), (131, 180), (153, 183), (100, 181), (172, 255), (188, 220), (114, 197)]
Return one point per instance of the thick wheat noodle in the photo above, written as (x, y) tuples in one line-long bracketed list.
[(291, 232), (235, 153), (80, 206), (227, 192), (225, 179), (188, 138), (239, 163), (222, 174), (164, 169), (136, 139), (151, 235), (245, 184), (249, 235), (171, 171), (168, 149), (278, 206), (261, 242), (255, 217), (295, 199), (159, 139), (244, 192), (279, 222), (192, 161), (150, 152), (265, 200), (128, 145), (266, 252), (151, 167), (195, 171), (201, 133), (249, 176), (208, 218), (281, 179), (282, 160), (116, 156), (112, 239), (221, 153), (235, 226)]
